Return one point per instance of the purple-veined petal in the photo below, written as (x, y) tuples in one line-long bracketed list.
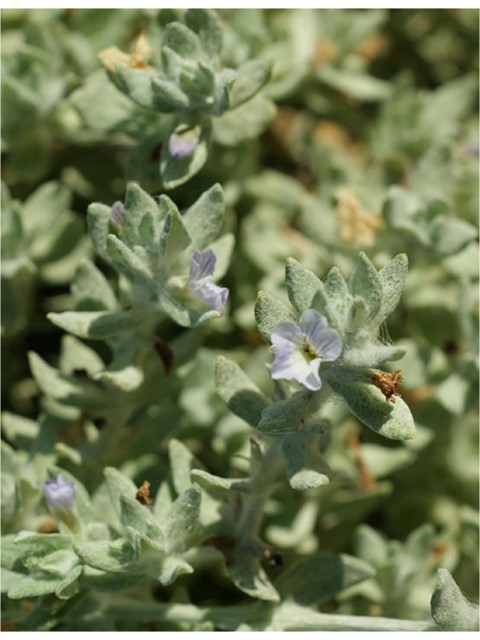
[(200, 282), (287, 332), (59, 494), (312, 324), (181, 145), (116, 215), (328, 345), (202, 265), (213, 295)]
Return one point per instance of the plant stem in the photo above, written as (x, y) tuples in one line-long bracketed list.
[(269, 468), (287, 617)]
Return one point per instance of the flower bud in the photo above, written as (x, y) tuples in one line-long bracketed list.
[(60, 497)]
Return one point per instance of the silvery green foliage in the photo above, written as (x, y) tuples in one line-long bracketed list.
[(194, 86), (194, 474), (153, 288), (152, 252), (355, 310), (43, 242)]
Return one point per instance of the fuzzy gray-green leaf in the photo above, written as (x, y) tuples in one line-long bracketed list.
[(269, 311), (302, 285), (204, 219), (450, 609), (392, 276), (243, 398), (391, 419)]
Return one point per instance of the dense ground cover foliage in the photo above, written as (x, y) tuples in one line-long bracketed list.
[(239, 315)]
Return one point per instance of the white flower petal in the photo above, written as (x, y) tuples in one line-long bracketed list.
[(328, 345), (299, 349), (312, 324), (287, 332)]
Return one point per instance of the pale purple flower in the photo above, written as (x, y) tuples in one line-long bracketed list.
[(60, 495), (182, 144), (200, 281), (300, 348), (116, 215)]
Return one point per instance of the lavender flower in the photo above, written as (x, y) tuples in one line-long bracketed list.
[(182, 143), (300, 348), (200, 281), (116, 215), (60, 497)]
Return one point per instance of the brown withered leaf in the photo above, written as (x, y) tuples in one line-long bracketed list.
[(388, 383), (143, 494)]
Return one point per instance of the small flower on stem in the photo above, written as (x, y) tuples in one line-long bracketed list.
[(116, 215), (200, 281), (300, 348), (182, 143), (60, 497)]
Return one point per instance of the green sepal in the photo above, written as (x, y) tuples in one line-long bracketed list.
[(241, 395)]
